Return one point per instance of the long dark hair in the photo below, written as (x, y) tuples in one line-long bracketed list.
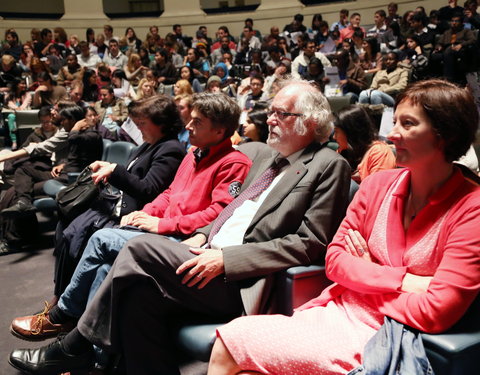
[(374, 49), (15, 92), (317, 17), (359, 130), (134, 34), (259, 119), (90, 91), (145, 58), (88, 34)]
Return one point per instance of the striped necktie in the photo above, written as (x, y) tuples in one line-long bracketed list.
[(253, 191)]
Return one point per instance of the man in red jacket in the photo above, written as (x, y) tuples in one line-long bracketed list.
[(207, 180)]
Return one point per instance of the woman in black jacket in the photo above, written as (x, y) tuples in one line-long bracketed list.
[(149, 171)]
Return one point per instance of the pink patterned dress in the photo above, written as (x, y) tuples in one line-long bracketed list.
[(327, 335)]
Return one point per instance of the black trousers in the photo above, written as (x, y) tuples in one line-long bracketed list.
[(142, 301), (20, 231), (454, 63), (29, 181)]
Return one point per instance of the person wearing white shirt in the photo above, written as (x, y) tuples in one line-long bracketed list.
[(87, 59), (300, 64), (114, 57), (380, 25), (249, 35)]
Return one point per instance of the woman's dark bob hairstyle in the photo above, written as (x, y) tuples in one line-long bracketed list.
[(451, 111), (160, 110)]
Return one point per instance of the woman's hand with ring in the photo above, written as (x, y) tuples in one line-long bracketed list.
[(356, 245)]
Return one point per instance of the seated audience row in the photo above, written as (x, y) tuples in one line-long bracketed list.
[(156, 279), (183, 237)]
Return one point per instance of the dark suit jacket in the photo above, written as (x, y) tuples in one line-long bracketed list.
[(153, 171), (293, 226), (465, 37)]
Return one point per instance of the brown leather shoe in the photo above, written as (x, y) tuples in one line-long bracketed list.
[(38, 327)]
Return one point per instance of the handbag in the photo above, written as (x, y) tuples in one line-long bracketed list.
[(78, 197)]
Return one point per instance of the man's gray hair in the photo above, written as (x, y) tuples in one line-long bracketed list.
[(315, 107), (220, 109)]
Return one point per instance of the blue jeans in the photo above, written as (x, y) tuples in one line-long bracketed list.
[(376, 97), (100, 253)]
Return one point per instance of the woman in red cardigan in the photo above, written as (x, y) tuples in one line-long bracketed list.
[(408, 249)]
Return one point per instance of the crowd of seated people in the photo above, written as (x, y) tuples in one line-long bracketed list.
[(192, 101), (445, 42)]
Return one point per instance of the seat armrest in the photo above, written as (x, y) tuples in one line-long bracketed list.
[(452, 343), (453, 353), (298, 285), (457, 350), (300, 272), (197, 340)]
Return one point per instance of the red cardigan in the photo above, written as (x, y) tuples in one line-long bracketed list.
[(456, 257), (199, 191)]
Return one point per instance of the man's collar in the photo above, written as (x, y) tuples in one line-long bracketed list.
[(199, 154), (294, 157), (213, 150)]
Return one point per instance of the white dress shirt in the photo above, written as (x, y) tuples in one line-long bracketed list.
[(233, 230)]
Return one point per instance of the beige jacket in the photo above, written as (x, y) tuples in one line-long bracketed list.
[(390, 83), (119, 109)]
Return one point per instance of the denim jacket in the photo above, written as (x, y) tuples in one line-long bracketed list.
[(394, 350)]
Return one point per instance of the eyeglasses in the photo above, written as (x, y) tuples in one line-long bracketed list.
[(282, 115)]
